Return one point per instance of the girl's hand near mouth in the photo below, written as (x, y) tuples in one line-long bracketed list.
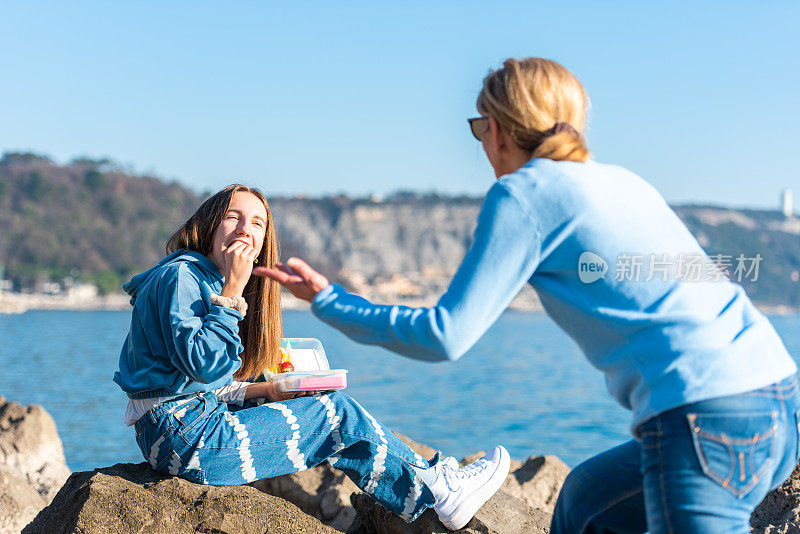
[(237, 267)]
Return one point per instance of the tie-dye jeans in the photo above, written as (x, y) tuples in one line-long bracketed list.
[(210, 442)]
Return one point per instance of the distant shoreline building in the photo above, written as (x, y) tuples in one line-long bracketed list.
[(787, 203)]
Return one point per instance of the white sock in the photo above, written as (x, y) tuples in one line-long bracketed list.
[(434, 479), (428, 475)]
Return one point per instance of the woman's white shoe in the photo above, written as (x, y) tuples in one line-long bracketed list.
[(465, 490)]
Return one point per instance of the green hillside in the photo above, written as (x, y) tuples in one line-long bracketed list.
[(88, 220)]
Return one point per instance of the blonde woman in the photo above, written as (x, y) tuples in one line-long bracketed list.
[(202, 332), (711, 388)]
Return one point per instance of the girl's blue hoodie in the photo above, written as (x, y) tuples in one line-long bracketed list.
[(179, 342)]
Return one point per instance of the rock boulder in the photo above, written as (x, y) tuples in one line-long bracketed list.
[(537, 481), (30, 447), (129, 498), (322, 491), (502, 514), (325, 492), (19, 503), (779, 512)]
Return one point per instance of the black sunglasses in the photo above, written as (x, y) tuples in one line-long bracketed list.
[(478, 126)]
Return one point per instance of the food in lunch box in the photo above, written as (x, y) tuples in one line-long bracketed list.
[(276, 369)]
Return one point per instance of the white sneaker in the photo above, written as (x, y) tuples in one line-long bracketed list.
[(469, 487), (449, 461), (439, 486)]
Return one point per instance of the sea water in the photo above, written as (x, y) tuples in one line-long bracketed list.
[(524, 384)]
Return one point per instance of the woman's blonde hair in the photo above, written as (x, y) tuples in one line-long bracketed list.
[(262, 327), (528, 98)]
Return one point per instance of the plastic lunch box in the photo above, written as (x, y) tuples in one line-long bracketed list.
[(312, 371)]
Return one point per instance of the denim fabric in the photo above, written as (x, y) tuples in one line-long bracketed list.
[(207, 441), (702, 468)]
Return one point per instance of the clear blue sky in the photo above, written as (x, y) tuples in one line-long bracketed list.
[(700, 98)]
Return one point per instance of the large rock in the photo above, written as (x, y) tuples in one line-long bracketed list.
[(128, 498), (19, 503), (325, 492), (502, 514), (30, 447), (538, 481), (779, 512), (322, 491)]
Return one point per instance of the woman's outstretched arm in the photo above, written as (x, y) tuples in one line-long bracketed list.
[(502, 258)]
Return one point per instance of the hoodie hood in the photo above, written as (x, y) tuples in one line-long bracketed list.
[(138, 281)]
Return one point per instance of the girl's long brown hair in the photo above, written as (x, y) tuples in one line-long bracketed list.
[(262, 327)]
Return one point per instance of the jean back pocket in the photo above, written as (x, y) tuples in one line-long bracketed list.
[(735, 450), (185, 414)]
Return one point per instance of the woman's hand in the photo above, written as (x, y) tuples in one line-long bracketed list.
[(237, 267), (297, 276)]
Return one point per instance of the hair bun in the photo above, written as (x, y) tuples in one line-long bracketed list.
[(526, 97), (563, 127)]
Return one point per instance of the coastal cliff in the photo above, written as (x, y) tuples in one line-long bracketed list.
[(91, 222)]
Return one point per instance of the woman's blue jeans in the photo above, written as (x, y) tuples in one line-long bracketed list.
[(698, 468)]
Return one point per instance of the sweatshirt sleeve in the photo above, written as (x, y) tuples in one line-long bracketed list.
[(206, 343), (233, 393), (503, 257)]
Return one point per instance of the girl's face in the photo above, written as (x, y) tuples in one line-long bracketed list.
[(245, 221)]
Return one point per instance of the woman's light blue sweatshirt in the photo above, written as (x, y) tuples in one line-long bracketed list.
[(179, 342), (662, 341)]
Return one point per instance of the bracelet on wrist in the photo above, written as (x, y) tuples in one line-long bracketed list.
[(236, 303)]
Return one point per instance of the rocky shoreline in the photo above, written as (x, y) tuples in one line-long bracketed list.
[(22, 302), (39, 495), (13, 303)]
